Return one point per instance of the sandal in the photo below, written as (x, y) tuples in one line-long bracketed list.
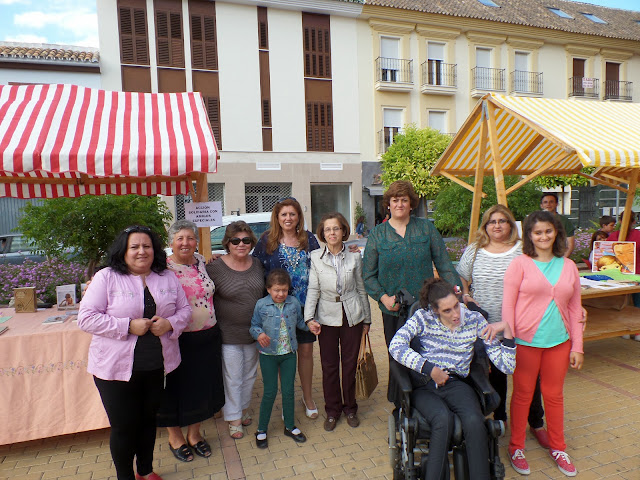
[(182, 453), (310, 412), (202, 448), (246, 420), (236, 431)]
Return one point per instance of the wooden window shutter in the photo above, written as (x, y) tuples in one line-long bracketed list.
[(266, 112), (133, 35), (213, 112), (263, 34), (317, 45), (204, 50), (169, 39), (319, 126)]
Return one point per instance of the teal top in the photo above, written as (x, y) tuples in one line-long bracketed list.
[(551, 331), (392, 262)]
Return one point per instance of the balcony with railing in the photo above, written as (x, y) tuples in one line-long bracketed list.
[(386, 137), (484, 79), (616, 90), (526, 83), (583, 87), (438, 77), (394, 74)]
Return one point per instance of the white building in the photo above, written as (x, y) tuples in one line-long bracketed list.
[(280, 81)]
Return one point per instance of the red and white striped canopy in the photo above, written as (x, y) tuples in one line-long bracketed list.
[(67, 141)]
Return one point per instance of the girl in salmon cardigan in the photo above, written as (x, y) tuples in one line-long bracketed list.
[(542, 306)]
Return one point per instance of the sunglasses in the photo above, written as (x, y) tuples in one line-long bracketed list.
[(236, 241), (287, 198), (137, 229)]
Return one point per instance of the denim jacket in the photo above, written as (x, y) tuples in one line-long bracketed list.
[(266, 319)]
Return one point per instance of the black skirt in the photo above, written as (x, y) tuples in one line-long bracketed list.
[(194, 391)]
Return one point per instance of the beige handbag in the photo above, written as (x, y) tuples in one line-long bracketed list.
[(366, 371)]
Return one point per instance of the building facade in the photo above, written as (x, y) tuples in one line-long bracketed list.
[(433, 60), (280, 81)]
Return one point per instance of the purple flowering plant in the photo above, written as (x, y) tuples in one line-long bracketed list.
[(582, 248), (456, 248), (45, 276)]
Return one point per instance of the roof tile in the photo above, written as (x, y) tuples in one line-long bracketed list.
[(57, 53)]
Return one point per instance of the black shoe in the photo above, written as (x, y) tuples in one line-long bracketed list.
[(182, 453), (264, 443), (298, 437)]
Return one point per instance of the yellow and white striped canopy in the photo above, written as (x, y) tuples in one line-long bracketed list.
[(532, 132)]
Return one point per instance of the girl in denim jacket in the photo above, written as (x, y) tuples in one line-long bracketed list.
[(273, 325)]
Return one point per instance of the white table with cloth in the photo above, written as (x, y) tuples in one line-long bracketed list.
[(45, 389)]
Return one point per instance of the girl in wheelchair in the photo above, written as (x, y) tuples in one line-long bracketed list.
[(446, 331)]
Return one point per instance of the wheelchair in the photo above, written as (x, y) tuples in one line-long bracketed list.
[(409, 432)]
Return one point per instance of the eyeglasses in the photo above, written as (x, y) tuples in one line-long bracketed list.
[(236, 240), (334, 229), (501, 221), (287, 198), (137, 229)]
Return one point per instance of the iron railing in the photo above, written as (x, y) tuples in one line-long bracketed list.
[(484, 78), (394, 70), (526, 82), (438, 73), (584, 87), (615, 90)]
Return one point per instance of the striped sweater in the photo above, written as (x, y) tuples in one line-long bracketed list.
[(450, 351)]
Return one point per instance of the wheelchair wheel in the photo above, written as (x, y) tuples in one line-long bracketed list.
[(393, 443)]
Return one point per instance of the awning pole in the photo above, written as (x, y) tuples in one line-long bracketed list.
[(204, 233), (477, 185), (626, 219), (498, 176)]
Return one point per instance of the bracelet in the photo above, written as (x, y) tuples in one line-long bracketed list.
[(129, 329)]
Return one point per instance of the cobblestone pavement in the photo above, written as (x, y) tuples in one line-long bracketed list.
[(602, 430)]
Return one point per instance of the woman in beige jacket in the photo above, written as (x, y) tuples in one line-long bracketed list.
[(336, 298)]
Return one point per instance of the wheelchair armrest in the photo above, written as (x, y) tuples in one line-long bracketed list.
[(401, 375), (489, 398)]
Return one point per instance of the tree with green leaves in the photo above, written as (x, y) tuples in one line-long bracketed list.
[(412, 155), (86, 226), (452, 208)]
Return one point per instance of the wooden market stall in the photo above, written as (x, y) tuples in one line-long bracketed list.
[(529, 137), (540, 136), (68, 141)]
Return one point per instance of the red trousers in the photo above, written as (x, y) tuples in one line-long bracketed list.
[(552, 365)]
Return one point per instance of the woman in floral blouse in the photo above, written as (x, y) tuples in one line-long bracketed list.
[(194, 391)]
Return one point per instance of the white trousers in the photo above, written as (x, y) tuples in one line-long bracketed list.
[(240, 369)]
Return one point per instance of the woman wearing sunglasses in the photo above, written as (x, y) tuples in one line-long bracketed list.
[(239, 285)]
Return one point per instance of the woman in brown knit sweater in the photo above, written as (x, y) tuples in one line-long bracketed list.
[(239, 281)]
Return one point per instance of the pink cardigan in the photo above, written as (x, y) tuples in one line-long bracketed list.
[(527, 294)]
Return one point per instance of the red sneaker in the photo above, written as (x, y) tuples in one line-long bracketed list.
[(563, 462), (541, 436), (518, 462)]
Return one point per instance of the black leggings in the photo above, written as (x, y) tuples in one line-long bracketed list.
[(131, 407)]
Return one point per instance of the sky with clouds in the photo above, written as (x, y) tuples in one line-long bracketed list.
[(74, 22)]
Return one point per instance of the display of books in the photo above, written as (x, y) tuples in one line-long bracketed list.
[(612, 255), (55, 319)]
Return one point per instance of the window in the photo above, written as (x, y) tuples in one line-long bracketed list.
[(262, 197), (483, 68), (389, 58), (392, 118), (489, 3), (133, 34), (169, 38), (327, 199), (204, 51), (435, 58), (316, 45), (559, 12), (521, 74), (438, 121), (594, 18)]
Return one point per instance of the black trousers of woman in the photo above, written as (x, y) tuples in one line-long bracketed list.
[(131, 407), (536, 412)]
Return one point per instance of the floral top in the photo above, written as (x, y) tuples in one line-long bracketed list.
[(199, 289), (296, 262)]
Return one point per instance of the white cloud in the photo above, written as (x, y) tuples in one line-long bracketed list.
[(78, 21), (26, 38)]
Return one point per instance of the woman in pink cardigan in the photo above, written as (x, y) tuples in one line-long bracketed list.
[(542, 306)]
